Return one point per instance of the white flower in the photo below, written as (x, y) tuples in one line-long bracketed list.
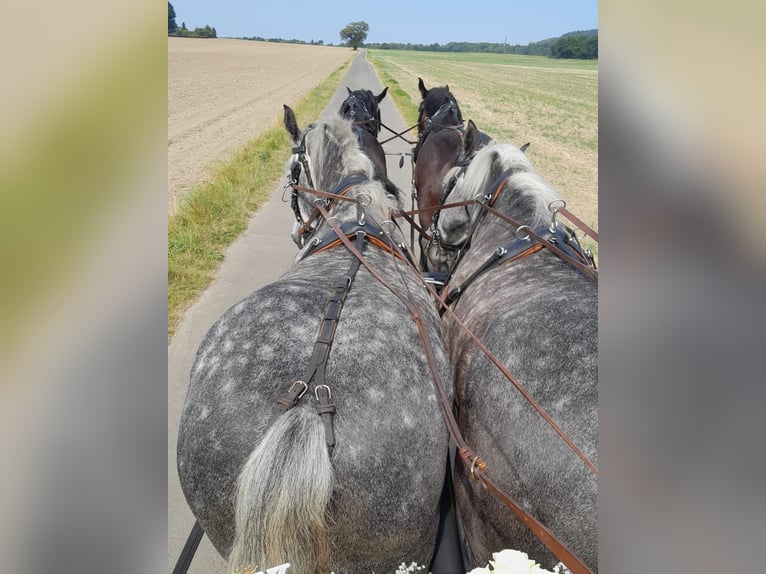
[(510, 562)]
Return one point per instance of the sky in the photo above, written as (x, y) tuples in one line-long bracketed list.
[(416, 22)]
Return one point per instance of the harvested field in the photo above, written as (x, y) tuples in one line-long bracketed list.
[(224, 92), (553, 104)]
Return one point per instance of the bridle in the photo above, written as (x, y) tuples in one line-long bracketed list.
[(435, 122), (425, 123), (368, 120), (302, 163)]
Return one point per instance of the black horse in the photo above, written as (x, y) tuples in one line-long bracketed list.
[(361, 107)]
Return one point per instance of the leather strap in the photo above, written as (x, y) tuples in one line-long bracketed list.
[(326, 409), (519, 248), (578, 223), (586, 269), (321, 351)]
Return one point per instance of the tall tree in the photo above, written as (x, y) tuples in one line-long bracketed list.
[(172, 27), (355, 33)]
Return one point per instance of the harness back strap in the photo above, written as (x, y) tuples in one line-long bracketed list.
[(321, 352)]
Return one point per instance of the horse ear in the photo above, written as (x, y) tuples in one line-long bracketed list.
[(349, 90), (471, 139), (524, 147), (422, 88), (382, 94), (291, 125)]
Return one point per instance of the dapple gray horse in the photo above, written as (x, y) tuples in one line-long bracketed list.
[(263, 484), (538, 315)]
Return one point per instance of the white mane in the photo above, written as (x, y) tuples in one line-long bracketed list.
[(492, 161)]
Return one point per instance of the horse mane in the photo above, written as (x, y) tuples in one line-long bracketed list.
[(526, 192), (333, 152)]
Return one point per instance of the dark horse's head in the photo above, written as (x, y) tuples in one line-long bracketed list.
[(438, 108), (361, 107)]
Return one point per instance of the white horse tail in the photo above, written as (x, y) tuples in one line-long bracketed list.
[(283, 496)]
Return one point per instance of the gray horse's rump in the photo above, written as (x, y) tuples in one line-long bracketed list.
[(537, 315), (546, 337), (389, 458)]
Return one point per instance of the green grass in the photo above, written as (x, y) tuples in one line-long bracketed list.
[(214, 213), (553, 104), (407, 106)]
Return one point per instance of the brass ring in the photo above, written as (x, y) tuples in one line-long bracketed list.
[(473, 466)]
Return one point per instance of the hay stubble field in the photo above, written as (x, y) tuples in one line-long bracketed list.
[(553, 104)]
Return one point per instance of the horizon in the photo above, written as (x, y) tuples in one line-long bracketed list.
[(493, 21)]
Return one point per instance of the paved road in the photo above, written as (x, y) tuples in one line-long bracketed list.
[(259, 257)]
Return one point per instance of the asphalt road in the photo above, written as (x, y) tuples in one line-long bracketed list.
[(259, 257)]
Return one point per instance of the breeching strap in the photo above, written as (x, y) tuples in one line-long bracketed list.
[(477, 465)]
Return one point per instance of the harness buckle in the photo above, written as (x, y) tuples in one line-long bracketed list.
[(303, 392), (327, 388)]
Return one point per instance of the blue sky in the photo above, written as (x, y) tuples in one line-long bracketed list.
[(418, 22)]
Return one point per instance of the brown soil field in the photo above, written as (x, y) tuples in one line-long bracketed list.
[(224, 92)]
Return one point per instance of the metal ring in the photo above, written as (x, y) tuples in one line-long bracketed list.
[(329, 392), (337, 220), (317, 201), (365, 194), (388, 226), (525, 238), (553, 209), (478, 198)]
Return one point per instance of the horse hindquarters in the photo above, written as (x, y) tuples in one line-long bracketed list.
[(548, 340), (284, 491)]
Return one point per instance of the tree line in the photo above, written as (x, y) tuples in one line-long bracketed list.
[(581, 45), (174, 30)]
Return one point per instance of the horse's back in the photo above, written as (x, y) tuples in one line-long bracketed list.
[(543, 326)]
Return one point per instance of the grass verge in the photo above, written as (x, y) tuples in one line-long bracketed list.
[(213, 215)]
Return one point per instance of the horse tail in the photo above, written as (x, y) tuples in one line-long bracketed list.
[(283, 496)]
